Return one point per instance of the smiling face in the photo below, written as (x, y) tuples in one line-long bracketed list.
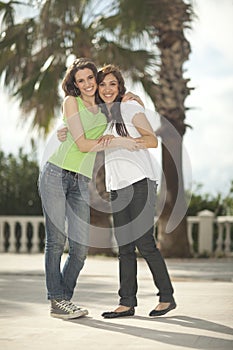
[(109, 88), (85, 81)]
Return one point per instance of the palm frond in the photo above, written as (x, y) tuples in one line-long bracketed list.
[(59, 30), (8, 14)]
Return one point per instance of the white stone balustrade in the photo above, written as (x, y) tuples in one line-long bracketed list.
[(8, 234), (224, 223), (207, 235), (206, 241)]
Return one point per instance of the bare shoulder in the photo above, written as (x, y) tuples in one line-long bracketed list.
[(70, 104), (69, 100)]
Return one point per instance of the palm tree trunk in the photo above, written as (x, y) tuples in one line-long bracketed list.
[(172, 227), (170, 94)]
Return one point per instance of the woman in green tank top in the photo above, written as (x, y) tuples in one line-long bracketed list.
[(63, 187)]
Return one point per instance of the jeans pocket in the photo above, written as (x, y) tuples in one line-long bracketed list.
[(51, 178), (55, 171)]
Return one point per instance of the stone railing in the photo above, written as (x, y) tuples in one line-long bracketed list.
[(208, 236), (22, 234)]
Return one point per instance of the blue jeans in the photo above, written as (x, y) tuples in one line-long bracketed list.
[(65, 202), (133, 216)]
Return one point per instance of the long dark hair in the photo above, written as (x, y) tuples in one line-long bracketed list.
[(115, 112), (68, 83)]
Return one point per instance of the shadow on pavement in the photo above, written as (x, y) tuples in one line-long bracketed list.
[(194, 341), (191, 322)]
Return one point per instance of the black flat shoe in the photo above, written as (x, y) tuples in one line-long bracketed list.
[(163, 312), (113, 314)]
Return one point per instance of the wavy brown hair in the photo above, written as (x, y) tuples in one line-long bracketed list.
[(68, 83), (115, 113)]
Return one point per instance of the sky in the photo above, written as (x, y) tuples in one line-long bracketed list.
[(209, 144)]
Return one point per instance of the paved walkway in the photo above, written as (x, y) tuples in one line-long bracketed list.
[(202, 320)]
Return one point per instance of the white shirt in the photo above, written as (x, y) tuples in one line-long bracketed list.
[(124, 167)]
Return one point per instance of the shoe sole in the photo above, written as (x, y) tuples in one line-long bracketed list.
[(70, 316), (118, 316), (112, 314)]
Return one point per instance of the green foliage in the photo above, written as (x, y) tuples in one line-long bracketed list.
[(18, 189), (219, 204), (35, 48), (227, 202)]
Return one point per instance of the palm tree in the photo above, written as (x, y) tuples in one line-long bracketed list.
[(164, 22), (34, 51)]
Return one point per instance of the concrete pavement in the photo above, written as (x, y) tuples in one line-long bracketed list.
[(202, 320)]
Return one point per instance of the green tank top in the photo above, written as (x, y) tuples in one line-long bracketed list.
[(68, 156)]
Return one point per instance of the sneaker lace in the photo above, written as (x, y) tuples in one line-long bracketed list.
[(66, 306), (72, 306)]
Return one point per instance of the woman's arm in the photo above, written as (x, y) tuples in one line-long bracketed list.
[(144, 128), (130, 96), (75, 127)]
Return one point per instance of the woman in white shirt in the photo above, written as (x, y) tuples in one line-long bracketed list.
[(131, 179)]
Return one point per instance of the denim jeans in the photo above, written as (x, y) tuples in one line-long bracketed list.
[(65, 202), (133, 215)]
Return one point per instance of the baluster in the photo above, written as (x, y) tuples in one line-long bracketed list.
[(23, 238), (228, 238), (35, 237), (12, 237)]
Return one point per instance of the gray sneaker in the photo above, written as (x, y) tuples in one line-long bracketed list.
[(66, 310)]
